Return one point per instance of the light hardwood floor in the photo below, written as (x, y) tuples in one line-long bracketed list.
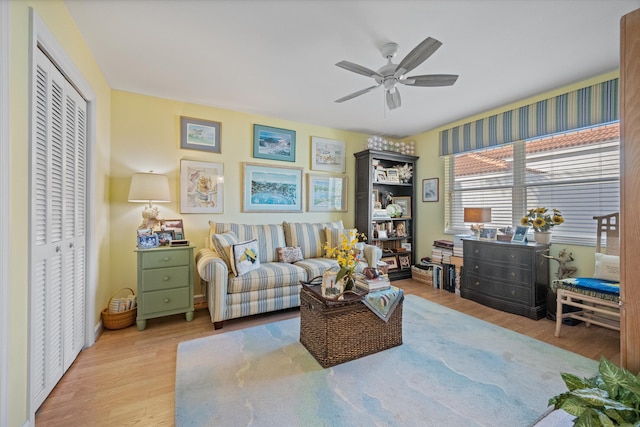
[(128, 377)]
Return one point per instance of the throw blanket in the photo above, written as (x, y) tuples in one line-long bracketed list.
[(383, 303)]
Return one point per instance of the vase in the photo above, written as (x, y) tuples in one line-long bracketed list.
[(542, 237)]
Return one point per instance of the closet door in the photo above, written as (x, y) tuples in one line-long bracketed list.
[(58, 242)]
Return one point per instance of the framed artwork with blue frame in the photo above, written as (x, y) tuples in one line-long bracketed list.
[(274, 143)]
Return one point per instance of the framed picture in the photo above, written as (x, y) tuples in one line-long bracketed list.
[(405, 203), (393, 175), (326, 193), (391, 261), (375, 200), (174, 225), (165, 237), (380, 175), (405, 261), (406, 246), (488, 233), (148, 241), (520, 234), (430, 190), (274, 143), (201, 189), (196, 134), (271, 189), (327, 155)]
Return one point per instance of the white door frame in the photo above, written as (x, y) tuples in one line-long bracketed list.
[(5, 169), (42, 38)]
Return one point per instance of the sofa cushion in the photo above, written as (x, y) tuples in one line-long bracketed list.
[(333, 237), (607, 267), (269, 236), (316, 266), (244, 257), (268, 275), (222, 244), (290, 255), (309, 236)]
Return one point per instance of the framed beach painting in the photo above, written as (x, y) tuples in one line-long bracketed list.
[(197, 134), (327, 155), (271, 189), (326, 193), (274, 143), (201, 189)]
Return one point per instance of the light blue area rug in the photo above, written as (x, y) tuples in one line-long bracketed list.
[(451, 370)]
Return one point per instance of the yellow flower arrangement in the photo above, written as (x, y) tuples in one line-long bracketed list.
[(347, 256), (540, 219)]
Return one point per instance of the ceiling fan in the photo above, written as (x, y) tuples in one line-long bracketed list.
[(391, 74)]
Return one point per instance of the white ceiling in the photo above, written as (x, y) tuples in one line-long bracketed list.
[(277, 57)]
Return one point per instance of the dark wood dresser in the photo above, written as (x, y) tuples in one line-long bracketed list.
[(511, 277)]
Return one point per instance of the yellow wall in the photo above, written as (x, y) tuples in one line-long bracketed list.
[(59, 22), (431, 215), (146, 136)]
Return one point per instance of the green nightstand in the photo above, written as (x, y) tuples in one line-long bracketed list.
[(165, 283)]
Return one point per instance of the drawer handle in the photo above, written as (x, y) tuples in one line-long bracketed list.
[(166, 300), (166, 258), (477, 283), (513, 274), (166, 278), (513, 256), (476, 267), (513, 293), (477, 251)]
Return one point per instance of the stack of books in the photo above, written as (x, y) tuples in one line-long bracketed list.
[(442, 251), (380, 283)]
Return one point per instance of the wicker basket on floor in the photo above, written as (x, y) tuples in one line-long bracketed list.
[(119, 320)]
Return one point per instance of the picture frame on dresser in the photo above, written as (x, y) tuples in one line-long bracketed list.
[(165, 237), (520, 234), (488, 233), (174, 225)]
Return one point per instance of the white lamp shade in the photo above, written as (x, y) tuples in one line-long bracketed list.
[(149, 187)]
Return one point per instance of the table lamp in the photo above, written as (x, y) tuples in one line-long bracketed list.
[(477, 216), (148, 188)]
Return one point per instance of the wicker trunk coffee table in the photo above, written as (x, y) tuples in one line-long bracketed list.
[(335, 332)]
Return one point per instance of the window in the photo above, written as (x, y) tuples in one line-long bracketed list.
[(577, 172)]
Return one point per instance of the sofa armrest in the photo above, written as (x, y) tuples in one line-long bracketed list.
[(372, 254), (213, 270)]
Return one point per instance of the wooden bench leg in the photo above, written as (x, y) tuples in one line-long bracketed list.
[(558, 311)]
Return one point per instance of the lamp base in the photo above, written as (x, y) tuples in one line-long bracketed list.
[(150, 218)]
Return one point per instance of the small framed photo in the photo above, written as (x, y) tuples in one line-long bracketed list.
[(204, 135), (488, 233), (165, 237), (148, 241), (327, 155), (391, 261), (274, 143), (375, 200), (174, 225), (520, 234), (381, 175), (326, 193), (393, 175), (406, 246), (430, 190), (405, 261), (405, 203)]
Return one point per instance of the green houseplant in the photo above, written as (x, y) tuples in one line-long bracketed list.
[(610, 398)]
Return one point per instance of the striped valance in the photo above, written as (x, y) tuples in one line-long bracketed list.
[(584, 107)]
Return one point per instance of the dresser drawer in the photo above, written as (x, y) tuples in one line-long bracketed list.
[(511, 255), (501, 272), (498, 289), (165, 258), (169, 300), (165, 278)]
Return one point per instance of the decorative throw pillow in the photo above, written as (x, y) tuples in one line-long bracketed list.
[(333, 236), (607, 267), (290, 254), (244, 257), (222, 244)]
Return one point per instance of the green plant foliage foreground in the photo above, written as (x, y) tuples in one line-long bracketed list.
[(610, 398)]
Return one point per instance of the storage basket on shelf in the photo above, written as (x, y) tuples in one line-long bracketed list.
[(120, 319), (422, 274)]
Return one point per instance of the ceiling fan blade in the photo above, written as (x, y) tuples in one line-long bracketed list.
[(358, 93), (350, 66), (393, 99), (431, 80), (418, 55)]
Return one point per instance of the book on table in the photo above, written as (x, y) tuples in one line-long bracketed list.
[(378, 284)]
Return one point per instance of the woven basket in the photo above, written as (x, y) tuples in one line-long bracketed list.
[(422, 275), (119, 320)]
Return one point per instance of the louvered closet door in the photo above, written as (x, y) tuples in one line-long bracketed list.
[(58, 218)]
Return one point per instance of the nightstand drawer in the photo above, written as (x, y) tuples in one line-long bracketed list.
[(165, 258), (160, 301), (497, 289), (165, 278)]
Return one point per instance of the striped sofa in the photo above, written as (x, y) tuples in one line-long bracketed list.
[(273, 285)]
